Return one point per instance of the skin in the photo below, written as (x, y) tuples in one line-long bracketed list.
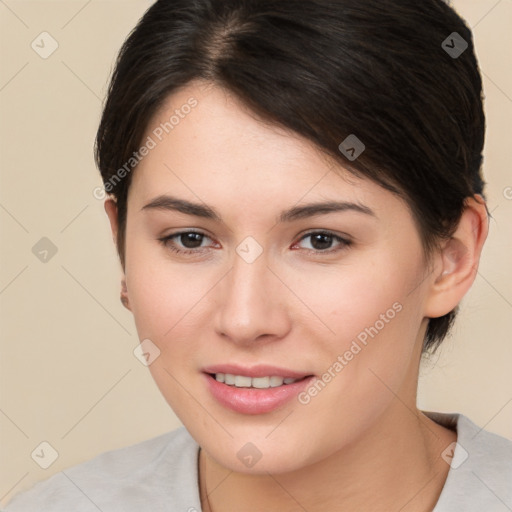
[(361, 443)]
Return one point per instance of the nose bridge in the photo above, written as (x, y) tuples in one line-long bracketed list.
[(247, 308)]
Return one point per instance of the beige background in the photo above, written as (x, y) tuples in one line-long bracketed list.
[(68, 373)]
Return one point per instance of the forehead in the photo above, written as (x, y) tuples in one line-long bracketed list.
[(207, 144)]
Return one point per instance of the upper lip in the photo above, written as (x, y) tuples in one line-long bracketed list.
[(260, 370)]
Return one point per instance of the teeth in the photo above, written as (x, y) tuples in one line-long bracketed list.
[(242, 381), (261, 382), (276, 381)]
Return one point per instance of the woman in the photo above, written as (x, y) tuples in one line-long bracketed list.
[(296, 199)]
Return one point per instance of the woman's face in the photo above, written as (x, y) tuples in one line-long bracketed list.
[(257, 288)]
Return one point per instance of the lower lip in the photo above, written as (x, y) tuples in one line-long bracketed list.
[(252, 400)]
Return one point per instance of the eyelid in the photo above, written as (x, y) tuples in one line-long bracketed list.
[(325, 231)]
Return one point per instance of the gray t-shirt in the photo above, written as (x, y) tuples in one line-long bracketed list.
[(161, 474)]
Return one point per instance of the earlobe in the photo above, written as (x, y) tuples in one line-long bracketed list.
[(124, 295), (458, 259)]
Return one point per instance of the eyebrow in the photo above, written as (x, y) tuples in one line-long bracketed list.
[(169, 203)]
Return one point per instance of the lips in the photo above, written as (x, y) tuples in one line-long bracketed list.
[(246, 398)]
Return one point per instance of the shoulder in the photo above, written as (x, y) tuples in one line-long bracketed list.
[(149, 475), (480, 476)]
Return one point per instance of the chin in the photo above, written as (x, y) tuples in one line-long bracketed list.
[(253, 453), (274, 463)]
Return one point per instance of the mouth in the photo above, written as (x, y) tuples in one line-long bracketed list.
[(258, 390)]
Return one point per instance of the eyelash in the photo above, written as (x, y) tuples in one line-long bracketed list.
[(345, 243)]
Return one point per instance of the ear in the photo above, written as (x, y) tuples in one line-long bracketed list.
[(456, 264), (111, 209)]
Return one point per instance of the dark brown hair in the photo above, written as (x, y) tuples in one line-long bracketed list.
[(383, 70)]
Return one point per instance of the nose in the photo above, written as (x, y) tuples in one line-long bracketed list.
[(252, 303)]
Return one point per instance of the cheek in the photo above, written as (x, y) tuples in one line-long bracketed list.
[(166, 298), (361, 294)]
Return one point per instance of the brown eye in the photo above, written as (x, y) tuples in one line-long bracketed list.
[(190, 240), (186, 242), (322, 241)]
